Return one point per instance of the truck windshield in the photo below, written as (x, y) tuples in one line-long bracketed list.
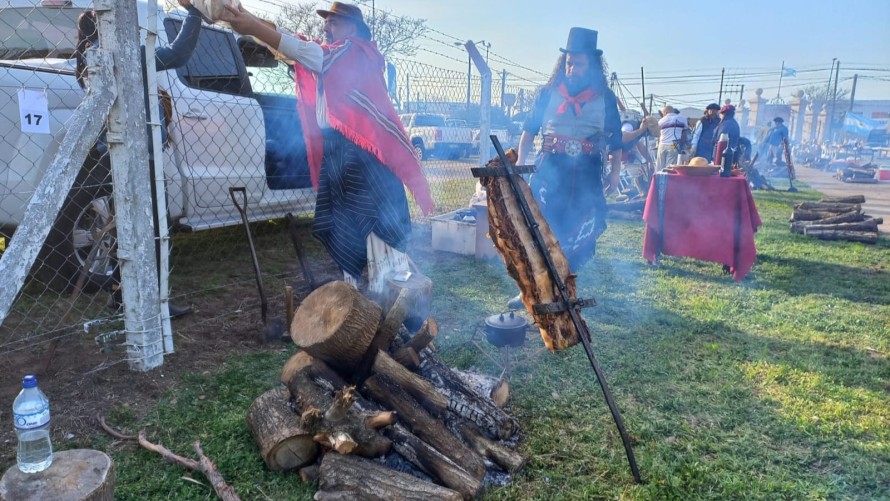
[(35, 32), (429, 121)]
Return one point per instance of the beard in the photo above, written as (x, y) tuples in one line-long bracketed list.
[(575, 84)]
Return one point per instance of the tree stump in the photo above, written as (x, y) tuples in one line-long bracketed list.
[(419, 292), (283, 444), (75, 475), (336, 324)]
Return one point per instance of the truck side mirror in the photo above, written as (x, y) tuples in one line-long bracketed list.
[(255, 54)]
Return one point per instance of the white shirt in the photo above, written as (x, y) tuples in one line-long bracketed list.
[(311, 56), (671, 126)]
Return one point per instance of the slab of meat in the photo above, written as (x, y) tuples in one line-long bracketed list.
[(525, 263)]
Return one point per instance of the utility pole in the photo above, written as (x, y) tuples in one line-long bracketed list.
[(741, 94), (837, 70), (722, 72), (853, 92), (503, 86)]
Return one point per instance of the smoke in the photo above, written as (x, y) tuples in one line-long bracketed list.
[(287, 166)]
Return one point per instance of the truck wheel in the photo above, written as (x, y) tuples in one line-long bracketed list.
[(87, 210), (419, 150)]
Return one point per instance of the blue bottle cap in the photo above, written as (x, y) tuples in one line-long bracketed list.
[(29, 381)]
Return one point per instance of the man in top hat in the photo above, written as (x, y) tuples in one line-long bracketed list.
[(577, 115), (775, 139), (359, 154), (703, 135)]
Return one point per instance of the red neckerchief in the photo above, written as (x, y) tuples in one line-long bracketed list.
[(583, 98), (359, 108)]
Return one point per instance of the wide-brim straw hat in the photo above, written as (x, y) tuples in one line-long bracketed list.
[(350, 12)]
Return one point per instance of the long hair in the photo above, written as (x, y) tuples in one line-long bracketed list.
[(87, 36), (598, 67)]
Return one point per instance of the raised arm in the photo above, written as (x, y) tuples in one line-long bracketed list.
[(179, 52), (308, 54)]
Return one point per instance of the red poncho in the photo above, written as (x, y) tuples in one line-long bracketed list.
[(359, 108)]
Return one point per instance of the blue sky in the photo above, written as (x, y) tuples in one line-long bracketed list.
[(750, 39)]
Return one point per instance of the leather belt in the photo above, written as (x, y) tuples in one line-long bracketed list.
[(568, 145)]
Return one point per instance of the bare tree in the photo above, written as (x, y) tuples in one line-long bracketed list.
[(820, 93), (395, 35)]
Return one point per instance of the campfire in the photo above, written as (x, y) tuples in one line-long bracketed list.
[(364, 394)]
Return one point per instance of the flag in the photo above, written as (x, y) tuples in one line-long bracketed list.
[(858, 124), (789, 72)]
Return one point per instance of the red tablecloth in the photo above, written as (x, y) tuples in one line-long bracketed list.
[(711, 218)]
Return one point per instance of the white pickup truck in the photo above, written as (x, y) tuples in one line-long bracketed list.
[(234, 123), (433, 134)]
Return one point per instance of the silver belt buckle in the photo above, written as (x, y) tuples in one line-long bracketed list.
[(573, 147)]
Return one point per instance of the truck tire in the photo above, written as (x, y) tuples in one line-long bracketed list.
[(419, 150), (87, 209)]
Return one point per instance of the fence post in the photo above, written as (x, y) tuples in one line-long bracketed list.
[(128, 150), (484, 102)]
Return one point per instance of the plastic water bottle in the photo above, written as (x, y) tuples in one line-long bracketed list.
[(31, 415)]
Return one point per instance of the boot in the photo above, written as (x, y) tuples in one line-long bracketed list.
[(515, 303), (178, 311)]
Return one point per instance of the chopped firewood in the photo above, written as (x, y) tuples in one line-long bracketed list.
[(827, 206), (381, 419), (336, 324), (422, 390), (407, 357), (811, 215), (383, 338), (384, 390), (310, 398), (367, 480), (284, 444), (339, 441), (866, 237), (846, 217), (428, 331), (432, 462), (309, 473), (866, 225), (499, 454), (525, 262), (465, 402), (852, 199), (497, 389)]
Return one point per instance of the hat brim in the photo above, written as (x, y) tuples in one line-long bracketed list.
[(363, 31), (324, 13), (597, 52)]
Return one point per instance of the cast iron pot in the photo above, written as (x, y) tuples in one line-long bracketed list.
[(505, 329)]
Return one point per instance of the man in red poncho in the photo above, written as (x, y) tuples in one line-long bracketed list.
[(359, 154)]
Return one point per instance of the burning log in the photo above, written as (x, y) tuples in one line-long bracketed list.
[(336, 324), (386, 391), (497, 389), (424, 337), (525, 263), (432, 462), (500, 455), (465, 402), (407, 357), (866, 237), (284, 444), (350, 478), (417, 290), (422, 390), (328, 418)]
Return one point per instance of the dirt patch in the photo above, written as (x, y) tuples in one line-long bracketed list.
[(83, 381)]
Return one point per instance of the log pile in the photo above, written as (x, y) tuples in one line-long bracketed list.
[(836, 219), (857, 174), (362, 389)]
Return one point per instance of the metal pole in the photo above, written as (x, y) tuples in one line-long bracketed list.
[(781, 74), (720, 97), (853, 92), (837, 70), (503, 87), (583, 333), (741, 94), (469, 76)]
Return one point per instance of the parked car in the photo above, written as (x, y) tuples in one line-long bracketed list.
[(230, 127), (433, 134)]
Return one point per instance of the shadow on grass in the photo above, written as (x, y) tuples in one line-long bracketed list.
[(800, 277)]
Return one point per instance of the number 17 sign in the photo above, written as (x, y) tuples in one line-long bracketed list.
[(33, 111)]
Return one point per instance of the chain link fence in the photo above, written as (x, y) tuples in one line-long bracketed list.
[(227, 146)]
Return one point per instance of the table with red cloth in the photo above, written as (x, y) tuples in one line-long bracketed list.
[(711, 218)]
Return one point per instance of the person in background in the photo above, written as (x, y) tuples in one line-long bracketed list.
[(636, 160), (671, 143), (577, 116), (729, 126), (169, 57), (359, 154), (775, 141), (703, 139)]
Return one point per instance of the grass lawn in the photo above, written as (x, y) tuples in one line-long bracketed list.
[(777, 387)]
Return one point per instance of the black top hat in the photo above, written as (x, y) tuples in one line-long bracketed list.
[(778, 120), (582, 40), (350, 12)]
